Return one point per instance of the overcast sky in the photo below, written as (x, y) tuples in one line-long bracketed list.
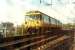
[(14, 10)]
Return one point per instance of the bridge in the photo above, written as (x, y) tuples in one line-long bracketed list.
[(55, 40)]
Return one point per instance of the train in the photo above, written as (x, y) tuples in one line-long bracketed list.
[(35, 22), (38, 22)]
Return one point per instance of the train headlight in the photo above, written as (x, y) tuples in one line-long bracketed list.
[(37, 22), (25, 22)]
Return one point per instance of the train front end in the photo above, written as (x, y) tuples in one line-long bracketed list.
[(32, 21)]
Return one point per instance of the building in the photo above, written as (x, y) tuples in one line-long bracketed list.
[(7, 29)]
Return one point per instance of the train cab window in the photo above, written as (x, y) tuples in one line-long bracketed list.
[(45, 18), (27, 18), (38, 17), (33, 17)]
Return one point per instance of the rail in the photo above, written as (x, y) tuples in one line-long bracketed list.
[(54, 43), (47, 40)]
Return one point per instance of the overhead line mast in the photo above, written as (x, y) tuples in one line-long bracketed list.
[(47, 4)]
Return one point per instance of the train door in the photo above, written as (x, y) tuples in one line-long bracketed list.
[(46, 21)]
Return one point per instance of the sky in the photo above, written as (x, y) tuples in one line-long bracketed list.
[(14, 10)]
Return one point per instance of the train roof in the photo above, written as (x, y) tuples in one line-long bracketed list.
[(36, 12), (33, 13)]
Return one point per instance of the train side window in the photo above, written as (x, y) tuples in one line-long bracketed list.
[(53, 21), (50, 20), (45, 18), (58, 23)]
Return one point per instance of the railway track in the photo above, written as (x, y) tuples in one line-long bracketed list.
[(36, 42), (53, 43), (42, 39)]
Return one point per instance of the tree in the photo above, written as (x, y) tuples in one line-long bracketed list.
[(69, 26)]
